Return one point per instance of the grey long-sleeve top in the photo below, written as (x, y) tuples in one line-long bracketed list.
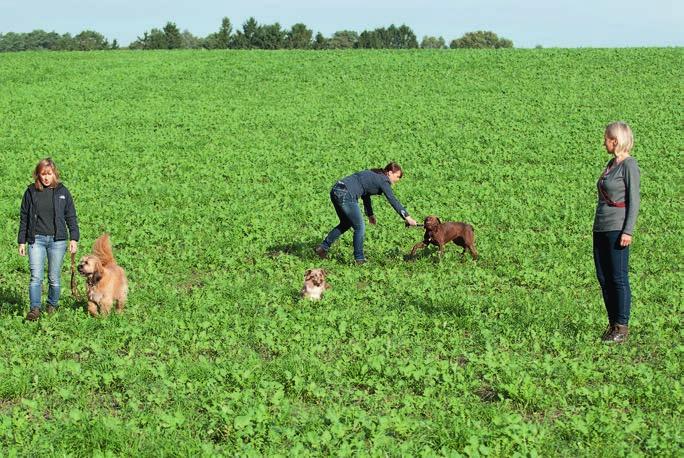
[(620, 183), (367, 183)]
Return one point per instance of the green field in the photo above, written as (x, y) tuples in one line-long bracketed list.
[(211, 172)]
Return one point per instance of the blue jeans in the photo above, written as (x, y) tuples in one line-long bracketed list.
[(44, 247), (612, 262), (347, 209)]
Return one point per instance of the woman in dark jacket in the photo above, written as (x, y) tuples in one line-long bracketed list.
[(47, 210), (345, 195), (614, 221)]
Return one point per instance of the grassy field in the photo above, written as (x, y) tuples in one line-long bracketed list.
[(211, 172)]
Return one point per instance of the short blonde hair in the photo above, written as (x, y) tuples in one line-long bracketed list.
[(621, 132)]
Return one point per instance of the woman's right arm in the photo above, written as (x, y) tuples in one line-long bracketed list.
[(394, 202), (23, 218), (387, 190)]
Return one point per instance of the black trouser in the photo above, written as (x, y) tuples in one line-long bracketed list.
[(612, 263)]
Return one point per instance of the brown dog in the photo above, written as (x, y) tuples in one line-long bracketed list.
[(314, 284), (106, 280), (438, 233)]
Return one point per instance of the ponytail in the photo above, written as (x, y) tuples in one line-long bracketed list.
[(391, 167)]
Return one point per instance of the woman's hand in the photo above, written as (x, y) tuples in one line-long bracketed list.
[(73, 246), (372, 219), (625, 240), (22, 249), (410, 221)]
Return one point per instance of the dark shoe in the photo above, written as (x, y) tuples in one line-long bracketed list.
[(620, 333), (51, 309), (33, 314), (360, 262), (321, 252), (606, 334)]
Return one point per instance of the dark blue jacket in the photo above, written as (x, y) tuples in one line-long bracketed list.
[(65, 215), (368, 183)]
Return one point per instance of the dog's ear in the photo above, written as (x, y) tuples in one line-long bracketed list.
[(325, 272), (439, 221), (99, 271), (307, 273)]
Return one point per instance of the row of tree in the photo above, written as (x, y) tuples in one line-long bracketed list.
[(272, 36), (87, 40), (252, 35)]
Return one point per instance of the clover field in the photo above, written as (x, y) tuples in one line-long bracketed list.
[(211, 172)]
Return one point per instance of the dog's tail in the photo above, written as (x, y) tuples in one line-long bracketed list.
[(102, 248)]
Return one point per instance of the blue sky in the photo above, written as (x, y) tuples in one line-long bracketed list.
[(562, 23)]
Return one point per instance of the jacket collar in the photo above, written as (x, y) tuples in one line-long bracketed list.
[(32, 187)]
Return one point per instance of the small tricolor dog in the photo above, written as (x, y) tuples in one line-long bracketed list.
[(314, 284), (438, 233)]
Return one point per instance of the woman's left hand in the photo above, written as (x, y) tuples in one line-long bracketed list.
[(625, 240), (73, 246)]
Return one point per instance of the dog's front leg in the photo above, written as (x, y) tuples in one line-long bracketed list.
[(441, 251), (106, 306), (92, 308), (120, 304), (416, 247)]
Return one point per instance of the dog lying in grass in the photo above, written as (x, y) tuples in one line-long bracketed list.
[(314, 284), (438, 233)]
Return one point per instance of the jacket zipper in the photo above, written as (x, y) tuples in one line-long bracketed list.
[(54, 211)]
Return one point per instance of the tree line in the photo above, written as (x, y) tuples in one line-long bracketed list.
[(252, 35)]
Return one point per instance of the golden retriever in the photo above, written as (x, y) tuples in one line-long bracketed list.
[(106, 280)]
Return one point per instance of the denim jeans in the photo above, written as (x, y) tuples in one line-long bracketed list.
[(44, 247), (612, 261), (349, 213)]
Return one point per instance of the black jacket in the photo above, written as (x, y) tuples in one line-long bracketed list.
[(65, 215)]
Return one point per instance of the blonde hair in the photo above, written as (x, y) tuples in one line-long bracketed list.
[(621, 132), (46, 163)]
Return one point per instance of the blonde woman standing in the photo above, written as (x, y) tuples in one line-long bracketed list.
[(47, 210), (614, 221)]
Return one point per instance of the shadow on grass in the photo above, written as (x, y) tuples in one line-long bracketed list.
[(10, 302), (442, 308), (427, 253), (431, 253), (420, 303), (69, 300), (302, 250)]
